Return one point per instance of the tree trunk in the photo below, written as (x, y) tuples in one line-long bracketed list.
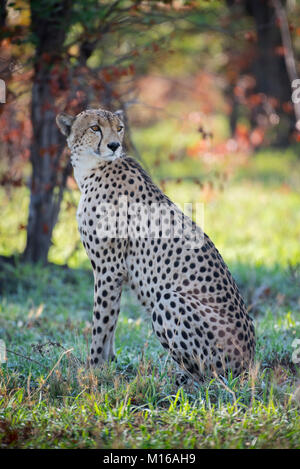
[(47, 183), (289, 57), (269, 69), (48, 180), (3, 13)]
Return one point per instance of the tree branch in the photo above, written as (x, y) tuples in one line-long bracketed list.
[(288, 51)]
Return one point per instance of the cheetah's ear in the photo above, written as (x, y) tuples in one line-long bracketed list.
[(64, 122), (120, 114)]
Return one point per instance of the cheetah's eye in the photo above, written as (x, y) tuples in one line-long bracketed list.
[(119, 128), (95, 128)]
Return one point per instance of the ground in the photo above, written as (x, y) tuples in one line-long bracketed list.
[(48, 399)]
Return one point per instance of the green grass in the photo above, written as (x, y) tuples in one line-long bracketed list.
[(50, 399)]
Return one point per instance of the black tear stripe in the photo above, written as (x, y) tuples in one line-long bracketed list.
[(98, 148)]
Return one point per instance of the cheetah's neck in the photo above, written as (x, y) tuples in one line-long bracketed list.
[(80, 174), (83, 167)]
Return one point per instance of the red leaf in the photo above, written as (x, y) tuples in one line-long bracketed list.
[(45, 228)]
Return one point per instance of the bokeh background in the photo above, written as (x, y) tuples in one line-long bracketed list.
[(207, 91)]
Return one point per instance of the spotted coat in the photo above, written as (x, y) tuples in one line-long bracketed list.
[(196, 309)]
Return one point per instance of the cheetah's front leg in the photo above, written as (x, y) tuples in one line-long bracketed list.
[(107, 295)]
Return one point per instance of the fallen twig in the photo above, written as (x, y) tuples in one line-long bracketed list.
[(39, 348), (26, 358), (51, 371)]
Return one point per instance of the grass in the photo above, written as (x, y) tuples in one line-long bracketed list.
[(50, 399)]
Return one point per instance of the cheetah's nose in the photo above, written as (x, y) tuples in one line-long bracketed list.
[(113, 146)]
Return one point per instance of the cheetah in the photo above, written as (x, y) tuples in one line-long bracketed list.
[(173, 267)]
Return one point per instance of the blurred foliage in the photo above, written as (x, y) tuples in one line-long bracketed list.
[(183, 72)]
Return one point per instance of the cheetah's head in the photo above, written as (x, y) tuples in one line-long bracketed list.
[(93, 135)]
